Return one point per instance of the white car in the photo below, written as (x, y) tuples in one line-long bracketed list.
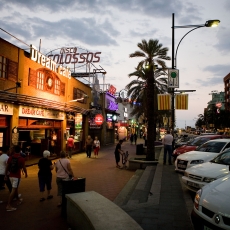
[(198, 176), (203, 153), (212, 205)]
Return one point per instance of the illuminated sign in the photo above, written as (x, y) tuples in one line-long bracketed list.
[(26, 111), (98, 119), (112, 90), (111, 117), (41, 59), (112, 105), (6, 109), (123, 94)]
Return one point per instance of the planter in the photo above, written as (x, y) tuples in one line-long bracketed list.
[(142, 163)]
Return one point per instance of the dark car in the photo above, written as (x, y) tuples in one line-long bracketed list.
[(183, 140)]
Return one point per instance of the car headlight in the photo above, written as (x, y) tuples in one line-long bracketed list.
[(209, 179), (197, 199), (197, 162)]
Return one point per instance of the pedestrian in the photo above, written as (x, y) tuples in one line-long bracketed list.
[(63, 171), (167, 141), (4, 155), (45, 175), (118, 152), (70, 145), (15, 164), (135, 138), (88, 146), (131, 138), (96, 146)]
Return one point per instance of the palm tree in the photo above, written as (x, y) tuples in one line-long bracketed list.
[(153, 53)]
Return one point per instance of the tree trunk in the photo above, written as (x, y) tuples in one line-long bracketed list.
[(151, 130)]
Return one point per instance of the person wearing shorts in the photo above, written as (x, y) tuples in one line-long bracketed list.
[(45, 175), (15, 177)]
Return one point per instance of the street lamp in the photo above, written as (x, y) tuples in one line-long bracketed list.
[(209, 23)]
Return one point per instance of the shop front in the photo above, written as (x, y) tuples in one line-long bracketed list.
[(39, 129), (6, 112), (74, 127)]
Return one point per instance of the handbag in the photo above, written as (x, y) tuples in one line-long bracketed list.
[(70, 176)]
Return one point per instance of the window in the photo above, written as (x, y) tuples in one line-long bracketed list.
[(3, 67), (78, 94), (57, 87), (40, 80)]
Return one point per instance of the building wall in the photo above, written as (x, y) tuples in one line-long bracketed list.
[(24, 70)]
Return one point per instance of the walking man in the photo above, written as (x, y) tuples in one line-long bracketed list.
[(167, 142), (15, 164)]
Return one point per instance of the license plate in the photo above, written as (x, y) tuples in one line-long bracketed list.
[(207, 228), (193, 184), (181, 166)]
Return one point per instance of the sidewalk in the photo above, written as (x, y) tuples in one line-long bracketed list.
[(103, 177)]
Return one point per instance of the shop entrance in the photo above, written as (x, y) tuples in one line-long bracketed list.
[(35, 141)]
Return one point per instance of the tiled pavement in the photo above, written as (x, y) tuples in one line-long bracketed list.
[(103, 177)]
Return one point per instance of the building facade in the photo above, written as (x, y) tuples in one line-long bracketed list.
[(40, 103)]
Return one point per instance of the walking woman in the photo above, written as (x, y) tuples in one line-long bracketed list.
[(96, 146), (63, 170)]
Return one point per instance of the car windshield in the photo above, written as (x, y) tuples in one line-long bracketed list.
[(213, 146), (198, 141), (223, 158)]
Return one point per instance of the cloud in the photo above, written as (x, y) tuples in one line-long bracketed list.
[(217, 73), (151, 8), (223, 43), (84, 30), (222, 70)]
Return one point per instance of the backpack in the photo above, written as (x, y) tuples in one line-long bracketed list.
[(14, 166)]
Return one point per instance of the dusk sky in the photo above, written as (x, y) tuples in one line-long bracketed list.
[(115, 27)]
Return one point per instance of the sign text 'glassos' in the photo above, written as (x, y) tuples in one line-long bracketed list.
[(71, 55)]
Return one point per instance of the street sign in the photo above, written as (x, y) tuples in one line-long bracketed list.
[(173, 78)]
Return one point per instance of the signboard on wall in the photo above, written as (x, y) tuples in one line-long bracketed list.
[(33, 112), (6, 108)]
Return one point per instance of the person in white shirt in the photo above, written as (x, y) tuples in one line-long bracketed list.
[(167, 142), (96, 146), (3, 159)]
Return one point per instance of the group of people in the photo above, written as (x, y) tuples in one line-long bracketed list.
[(89, 145), (12, 163), (12, 166), (133, 138)]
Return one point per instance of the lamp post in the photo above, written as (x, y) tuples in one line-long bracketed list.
[(209, 23)]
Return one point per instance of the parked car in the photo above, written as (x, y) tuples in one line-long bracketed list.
[(183, 140), (193, 144), (199, 175), (203, 153), (212, 205)]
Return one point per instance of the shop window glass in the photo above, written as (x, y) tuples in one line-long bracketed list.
[(40, 80), (3, 67), (57, 87), (78, 94)]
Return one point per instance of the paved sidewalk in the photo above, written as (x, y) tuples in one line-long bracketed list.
[(103, 177), (169, 204)]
